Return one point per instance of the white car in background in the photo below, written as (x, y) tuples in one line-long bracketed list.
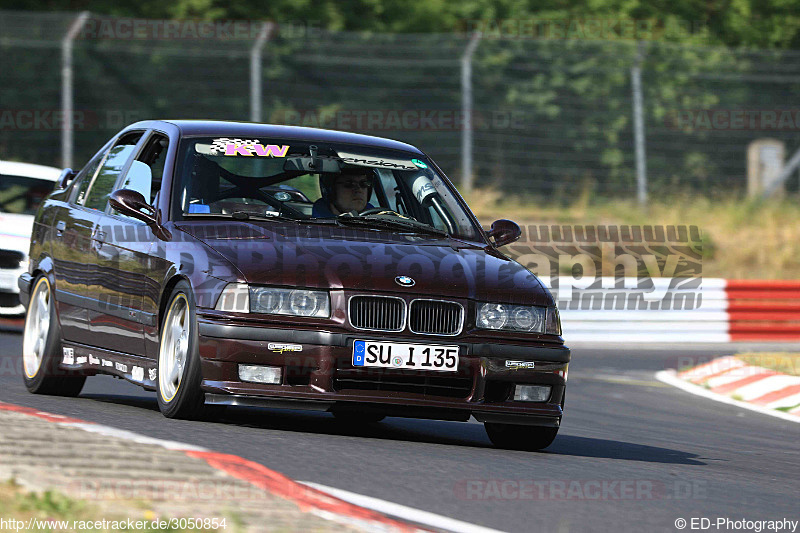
[(23, 186)]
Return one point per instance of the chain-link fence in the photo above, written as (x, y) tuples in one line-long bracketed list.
[(550, 117)]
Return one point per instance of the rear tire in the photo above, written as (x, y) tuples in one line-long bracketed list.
[(179, 376), (41, 347), (516, 437)]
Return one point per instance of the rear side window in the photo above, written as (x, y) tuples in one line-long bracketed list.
[(102, 183)]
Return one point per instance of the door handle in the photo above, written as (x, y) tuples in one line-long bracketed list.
[(60, 227)]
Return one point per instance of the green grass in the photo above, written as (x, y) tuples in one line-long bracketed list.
[(785, 362), (19, 504), (742, 239)]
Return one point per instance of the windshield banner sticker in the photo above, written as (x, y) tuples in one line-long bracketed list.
[(369, 161)]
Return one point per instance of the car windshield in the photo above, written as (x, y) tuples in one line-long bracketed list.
[(22, 195), (317, 182)]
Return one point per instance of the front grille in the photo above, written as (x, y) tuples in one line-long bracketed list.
[(377, 313), (436, 317), (379, 379), (11, 259)]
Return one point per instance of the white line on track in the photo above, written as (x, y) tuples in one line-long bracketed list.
[(133, 437), (669, 377), (396, 510)]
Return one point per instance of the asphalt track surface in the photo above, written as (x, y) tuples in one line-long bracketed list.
[(633, 454)]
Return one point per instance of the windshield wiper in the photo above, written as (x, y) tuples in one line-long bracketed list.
[(241, 215), (379, 221)]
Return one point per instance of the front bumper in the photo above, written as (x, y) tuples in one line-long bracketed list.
[(321, 376), (12, 299)]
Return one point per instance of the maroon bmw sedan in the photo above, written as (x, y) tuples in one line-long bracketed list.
[(233, 264)]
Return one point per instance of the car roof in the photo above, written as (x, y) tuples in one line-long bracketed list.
[(29, 170), (253, 129)]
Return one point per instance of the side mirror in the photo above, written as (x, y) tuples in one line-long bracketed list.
[(132, 203), (504, 232), (66, 177)]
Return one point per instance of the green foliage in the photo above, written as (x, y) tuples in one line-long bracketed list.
[(50, 502), (754, 23)]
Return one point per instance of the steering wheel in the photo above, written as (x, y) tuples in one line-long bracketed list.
[(380, 211)]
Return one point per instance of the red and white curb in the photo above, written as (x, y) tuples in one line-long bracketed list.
[(732, 381), (716, 310), (325, 502)]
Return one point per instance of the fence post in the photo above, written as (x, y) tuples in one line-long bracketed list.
[(638, 127), (466, 110), (255, 70), (67, 111)]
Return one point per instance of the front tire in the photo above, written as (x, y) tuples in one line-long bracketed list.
[(179, 376), (516, 437), (41, 347)]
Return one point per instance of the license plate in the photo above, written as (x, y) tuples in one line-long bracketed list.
[(405, 356)]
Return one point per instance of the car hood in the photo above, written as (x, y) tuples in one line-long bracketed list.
[(333, 257), (15, 232)]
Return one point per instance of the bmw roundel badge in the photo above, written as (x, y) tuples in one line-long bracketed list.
[(404, 281)]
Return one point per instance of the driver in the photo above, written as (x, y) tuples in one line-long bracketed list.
[(345, 192)]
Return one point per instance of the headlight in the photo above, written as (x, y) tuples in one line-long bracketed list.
[(527, 318), (296, 302), (235, 297), (492, 316)]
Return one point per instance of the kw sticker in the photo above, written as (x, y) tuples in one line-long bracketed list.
[(69, 356), (280, 347), (515, 365), (270, 150), (137, 373), (121, 367), (218, 145), (152, 373)]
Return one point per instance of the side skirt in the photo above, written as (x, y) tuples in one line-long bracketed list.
[(91, 360)]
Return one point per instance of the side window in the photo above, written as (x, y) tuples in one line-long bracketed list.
[(84, 177), (102, 184), (147, 171), (390, 187)]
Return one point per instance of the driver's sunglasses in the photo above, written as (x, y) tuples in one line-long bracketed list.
[(352, 185)]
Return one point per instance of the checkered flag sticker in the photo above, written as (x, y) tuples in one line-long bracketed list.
[(218, 146)]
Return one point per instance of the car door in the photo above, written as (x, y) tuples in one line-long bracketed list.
[(123, 258), (70, 248), (110, 324)]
